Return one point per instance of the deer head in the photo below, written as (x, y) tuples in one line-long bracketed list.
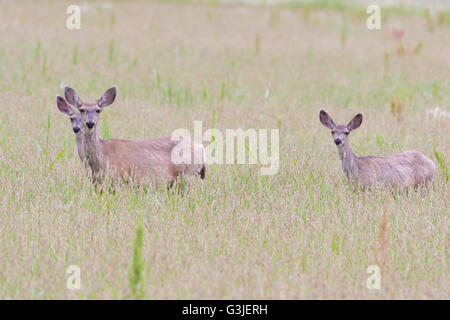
[(340, 132), (90, 111), (75, 117)]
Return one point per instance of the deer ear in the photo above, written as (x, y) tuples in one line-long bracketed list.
[(326, 120), (63, 106), (72, 97), (355, 122), (108, 97)]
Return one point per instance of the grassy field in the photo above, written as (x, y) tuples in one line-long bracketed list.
[(302, 233)]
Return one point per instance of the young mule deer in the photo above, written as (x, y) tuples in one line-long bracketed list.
[(77, 125), (406, 169), (141, 161)]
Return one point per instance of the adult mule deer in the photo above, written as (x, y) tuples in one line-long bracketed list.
[(141, 161), (406, 169), (77, 125)]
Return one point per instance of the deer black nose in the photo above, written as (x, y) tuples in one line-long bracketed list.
[(76, 130), (90, 125), (337, 141)]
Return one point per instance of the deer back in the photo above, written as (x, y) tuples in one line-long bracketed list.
[(409, 168)]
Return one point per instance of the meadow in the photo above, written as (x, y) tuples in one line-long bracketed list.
[(303, 233)]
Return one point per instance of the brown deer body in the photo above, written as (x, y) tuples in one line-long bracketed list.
[(141, 161), (406, 169)]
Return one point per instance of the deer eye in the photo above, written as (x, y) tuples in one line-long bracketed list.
[(98, 111), (332, 132), (82, 111), (346, 133)]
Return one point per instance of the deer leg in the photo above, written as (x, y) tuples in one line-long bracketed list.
[(176, 183), (180, 185)]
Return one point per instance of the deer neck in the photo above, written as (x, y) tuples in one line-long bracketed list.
[(81, 147), (94, 150), (348, 160)]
